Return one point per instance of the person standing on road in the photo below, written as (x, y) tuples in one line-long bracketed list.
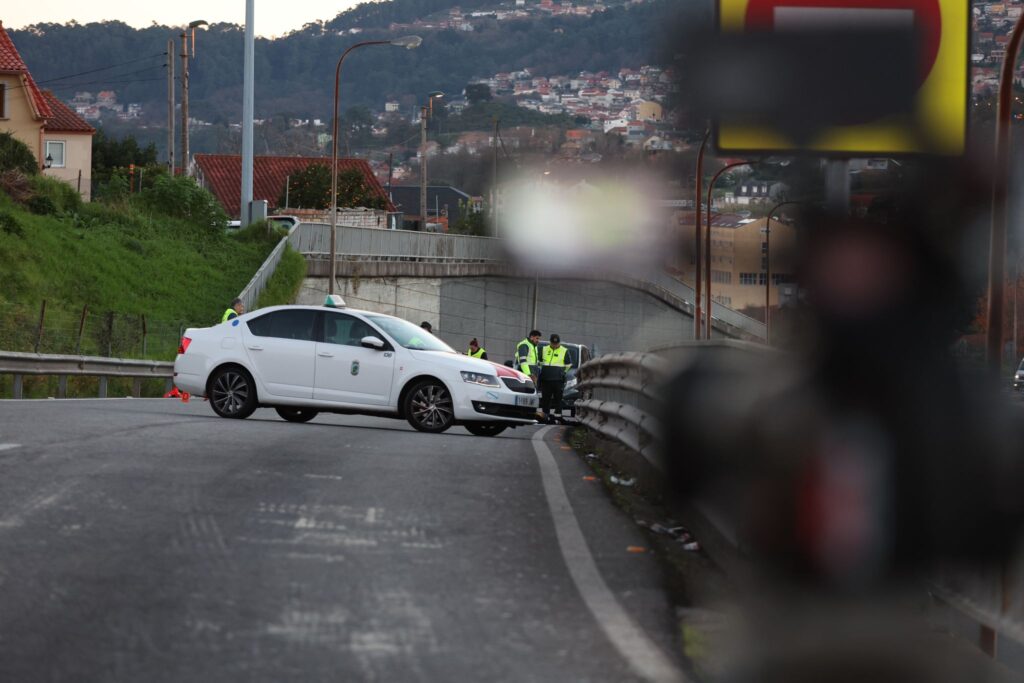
[(526, 355), (237, 309), (475, 350), (554, 365)]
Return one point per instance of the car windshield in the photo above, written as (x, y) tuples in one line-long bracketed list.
[(408, 335)]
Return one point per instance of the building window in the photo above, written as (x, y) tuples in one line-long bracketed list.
[(748, 278), (3, 100), (722, 277), (55, 151)]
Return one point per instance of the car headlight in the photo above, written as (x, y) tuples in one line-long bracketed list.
[(571, 384), (480, 378)]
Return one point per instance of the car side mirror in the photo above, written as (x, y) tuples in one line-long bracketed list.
[(372, 342)]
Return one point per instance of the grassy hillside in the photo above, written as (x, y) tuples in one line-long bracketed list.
[(121, 260)]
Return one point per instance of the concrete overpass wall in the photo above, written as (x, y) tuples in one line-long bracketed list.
[(499, 311)]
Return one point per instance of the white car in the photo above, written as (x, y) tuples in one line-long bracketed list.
[(303, 360)]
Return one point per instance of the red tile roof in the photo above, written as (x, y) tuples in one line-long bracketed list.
[(11, 62), (64, 119), (222, 175)]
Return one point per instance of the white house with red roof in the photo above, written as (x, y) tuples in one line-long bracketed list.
[(60, 140)]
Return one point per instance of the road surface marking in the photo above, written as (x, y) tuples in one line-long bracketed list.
[(9, 446), (645, 658)]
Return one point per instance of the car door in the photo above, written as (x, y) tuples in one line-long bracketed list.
[(346, 371), (282, 347)]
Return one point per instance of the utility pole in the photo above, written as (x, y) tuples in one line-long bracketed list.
[(170, 106), (423, 166), (184, 103), (248, 88), (494, 177)]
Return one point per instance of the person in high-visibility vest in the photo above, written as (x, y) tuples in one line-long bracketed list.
[(526, 355), (554, 365), (475, 350), (237, 309)]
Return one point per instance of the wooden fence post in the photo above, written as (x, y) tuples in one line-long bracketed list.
[(81, 329), (39, 330)]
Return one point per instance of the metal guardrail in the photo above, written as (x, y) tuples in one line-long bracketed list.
[(370, 243), (621, 390), (61, 366), (250, 296)]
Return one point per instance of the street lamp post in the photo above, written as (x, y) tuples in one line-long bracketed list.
[(698, 193), (707, 244), (409, 43)]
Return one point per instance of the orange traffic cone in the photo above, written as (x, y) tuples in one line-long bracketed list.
[(173, 393)]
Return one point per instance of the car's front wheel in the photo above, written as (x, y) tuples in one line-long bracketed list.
[(485, 428), (429, 407), (297, 414), (233, 392)]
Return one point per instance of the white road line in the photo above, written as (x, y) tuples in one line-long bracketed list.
[(9, 446), (643, 655)]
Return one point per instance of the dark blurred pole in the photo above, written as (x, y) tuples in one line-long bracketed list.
[(1000, 182), (698, 193), (837, 186), (768, 268), (707, 244)]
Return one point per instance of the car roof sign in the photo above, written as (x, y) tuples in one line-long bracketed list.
[(334, 301)]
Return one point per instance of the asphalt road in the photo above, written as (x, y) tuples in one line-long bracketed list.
[(149, 540)]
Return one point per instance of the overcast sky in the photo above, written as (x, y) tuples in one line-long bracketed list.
[(273, 17)]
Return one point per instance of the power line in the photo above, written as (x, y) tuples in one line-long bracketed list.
[(104, 68), (103, 81)]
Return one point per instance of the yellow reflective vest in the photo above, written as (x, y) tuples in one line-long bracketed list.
[(558, 358), (480, 352), (526, 356), (228, 315)]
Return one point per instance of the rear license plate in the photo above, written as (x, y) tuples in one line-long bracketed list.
[(527, 401)]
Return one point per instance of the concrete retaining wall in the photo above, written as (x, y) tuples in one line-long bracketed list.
[(499, 311)]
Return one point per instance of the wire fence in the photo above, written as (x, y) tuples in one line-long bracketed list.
[(50, 328)]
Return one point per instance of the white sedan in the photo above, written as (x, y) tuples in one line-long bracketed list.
[(303, 360)]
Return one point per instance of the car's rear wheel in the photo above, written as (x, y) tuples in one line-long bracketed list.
[(429, 407), (233, 392), (297, 414), (485, 428)]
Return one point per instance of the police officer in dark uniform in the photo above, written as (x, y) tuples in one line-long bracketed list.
[(554, 365)]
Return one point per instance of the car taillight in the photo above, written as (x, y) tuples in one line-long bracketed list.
[(183, 346)]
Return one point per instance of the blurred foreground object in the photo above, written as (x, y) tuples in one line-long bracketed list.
[(845, 77)]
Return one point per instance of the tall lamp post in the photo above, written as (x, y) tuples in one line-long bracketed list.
[(698, 193), (426, 113), (707, 242), (409, 43), (189, 30)]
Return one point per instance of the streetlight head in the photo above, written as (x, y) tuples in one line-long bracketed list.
[(198, 22), (408, 42), (436, 95)]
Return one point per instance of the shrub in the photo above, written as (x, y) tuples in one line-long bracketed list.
[(42, 205), (64, 197), (15, 155), (16, 184), (181, 197), (114, 190), (10, 225)]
